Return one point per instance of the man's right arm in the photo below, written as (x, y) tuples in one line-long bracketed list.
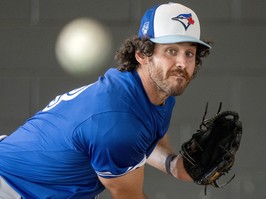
[(128, 186), (159, 155)]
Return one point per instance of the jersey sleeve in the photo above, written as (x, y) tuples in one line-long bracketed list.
[(116, 143)]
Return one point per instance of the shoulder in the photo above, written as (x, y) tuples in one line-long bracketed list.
[(118, 126), (115, 141)]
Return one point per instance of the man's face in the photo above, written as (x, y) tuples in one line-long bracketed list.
[(171, 67)]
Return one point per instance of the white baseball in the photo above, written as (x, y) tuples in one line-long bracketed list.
[(83, 46)]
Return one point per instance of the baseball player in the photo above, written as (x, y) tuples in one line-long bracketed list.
[(101, 135)]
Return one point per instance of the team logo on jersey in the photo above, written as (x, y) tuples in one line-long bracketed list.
[(185, 19)]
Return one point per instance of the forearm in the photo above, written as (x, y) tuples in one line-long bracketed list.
[(160, 153), (158, 158)]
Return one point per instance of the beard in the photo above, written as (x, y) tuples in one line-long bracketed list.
[(173, 84)]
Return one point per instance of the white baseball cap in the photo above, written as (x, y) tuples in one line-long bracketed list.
[(171, 23)]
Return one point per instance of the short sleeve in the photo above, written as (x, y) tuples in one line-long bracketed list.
[(116, 143)]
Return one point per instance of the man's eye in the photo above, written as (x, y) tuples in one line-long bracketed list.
[(190, 54), (171, 51)]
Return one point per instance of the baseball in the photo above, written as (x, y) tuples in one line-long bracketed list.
[(84, 45)]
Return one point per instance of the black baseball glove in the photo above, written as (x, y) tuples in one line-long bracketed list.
[(210, 153)]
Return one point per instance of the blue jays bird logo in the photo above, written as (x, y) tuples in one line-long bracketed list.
[(185, 19)]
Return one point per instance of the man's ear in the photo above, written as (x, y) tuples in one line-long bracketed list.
[(141, 58)]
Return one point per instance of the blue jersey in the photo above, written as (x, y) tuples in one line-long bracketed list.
[(107, 128)]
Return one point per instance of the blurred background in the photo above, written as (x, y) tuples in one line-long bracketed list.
[(234, 73)]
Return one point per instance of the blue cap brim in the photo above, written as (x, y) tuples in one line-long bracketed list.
[(170, 39)]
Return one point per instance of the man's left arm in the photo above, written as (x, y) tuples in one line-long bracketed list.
[(158, 157)]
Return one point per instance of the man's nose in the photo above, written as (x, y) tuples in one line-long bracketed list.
[(181, 61)]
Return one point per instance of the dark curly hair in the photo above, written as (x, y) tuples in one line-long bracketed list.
[(126, 60)]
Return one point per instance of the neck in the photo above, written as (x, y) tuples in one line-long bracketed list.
[(156, 96)]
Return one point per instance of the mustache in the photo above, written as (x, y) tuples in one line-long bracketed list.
[(180, 72)]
